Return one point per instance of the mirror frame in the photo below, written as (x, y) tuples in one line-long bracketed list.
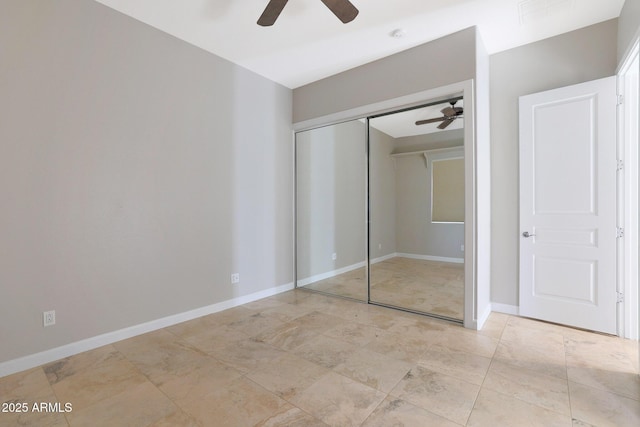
[(473, 318), (365, 207)]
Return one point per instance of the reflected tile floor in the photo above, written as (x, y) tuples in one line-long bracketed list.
[(433, 287), (304, 359)]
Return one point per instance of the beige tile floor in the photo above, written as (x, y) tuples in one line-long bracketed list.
[(304, 359), (426, 286)]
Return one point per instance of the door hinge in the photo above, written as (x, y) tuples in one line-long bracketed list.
[(620, 164), (620, 232), (620, 99), (620, 297)]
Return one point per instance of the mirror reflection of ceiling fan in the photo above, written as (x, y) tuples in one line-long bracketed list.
[(449, 115), (343, 9)]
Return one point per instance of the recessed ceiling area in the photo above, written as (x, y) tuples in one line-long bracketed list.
[(308, 43), (403, 124)]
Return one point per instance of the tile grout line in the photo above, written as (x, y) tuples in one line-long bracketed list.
[(566, 367), (54, 393), (475, 401), (176, 404), (278, 397), (525, 401), (426, 339)]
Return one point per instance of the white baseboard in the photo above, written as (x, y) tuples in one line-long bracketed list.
[(322, 276), (483, 317), (47, 356), (505, 308), (432, 258), (383, 258), (316, 278)]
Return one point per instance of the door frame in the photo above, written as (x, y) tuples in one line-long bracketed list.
[(628, 187), (474, 315)]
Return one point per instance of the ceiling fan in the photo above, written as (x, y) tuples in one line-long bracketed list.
[(343, 9), (450, 114)]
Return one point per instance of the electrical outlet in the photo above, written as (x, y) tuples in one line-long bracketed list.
[(334, 256), (379, 246), (462, 248), (235, 278), (49, 318)]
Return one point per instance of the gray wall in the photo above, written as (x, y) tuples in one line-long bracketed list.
[(382, 194), (448, 60), (628, 25), (136, 173), (571, 58), (416, 234), (330, 198)]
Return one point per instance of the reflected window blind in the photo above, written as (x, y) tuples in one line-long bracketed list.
[(447, 203)]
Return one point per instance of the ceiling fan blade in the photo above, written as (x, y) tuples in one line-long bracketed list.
[(449, 111), (271, 12), (424, 122), (445, 123), (343, 9)]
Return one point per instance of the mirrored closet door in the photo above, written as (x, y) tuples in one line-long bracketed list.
[(331, 202), (416, 200)]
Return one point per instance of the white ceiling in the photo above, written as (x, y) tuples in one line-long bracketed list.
[(308, 42), (398, 125)]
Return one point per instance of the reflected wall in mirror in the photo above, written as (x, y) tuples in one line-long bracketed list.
[(331, 209), (416, 198)]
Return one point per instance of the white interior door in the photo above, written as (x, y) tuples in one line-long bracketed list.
[(568, 205)]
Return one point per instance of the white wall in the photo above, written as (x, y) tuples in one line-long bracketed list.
[(429, 141), (571, 58), (628, 32), (136, 173), (482, 180)]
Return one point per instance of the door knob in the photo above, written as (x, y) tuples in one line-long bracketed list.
[(526, 234)]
